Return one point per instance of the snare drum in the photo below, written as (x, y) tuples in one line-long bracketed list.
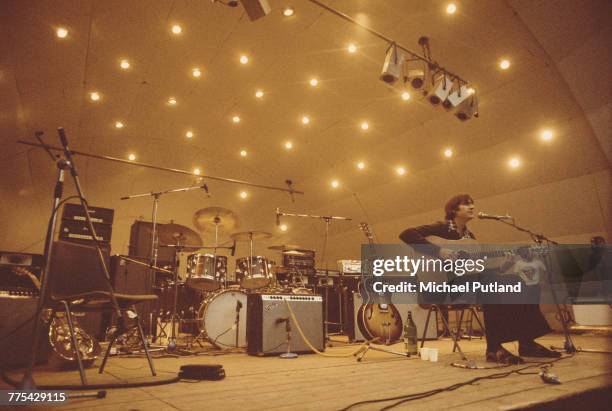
[(206, 272), (217, 318), (256, 275)]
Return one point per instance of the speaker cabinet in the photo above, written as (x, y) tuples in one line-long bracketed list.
[(16, 326), (266, 326), (140, 242)]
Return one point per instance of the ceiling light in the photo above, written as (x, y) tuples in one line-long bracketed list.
[(305, 120), (172, 101), (244, 59), (451, 8), (365, 125), (61, 32), (176, 29), (547, 135), (288, 11), (504, 64), (132, 157), (118, 124), (335, 183), (196, 171), (259, 93), (94, 96), (448, 153), (361, 165), (400, 171), (514, 162), (236, 119), (314, 82), (288, 145), (244, 194), (405, 96), (189, 134), (243, 153), (196, 72), (283, 227), (124, 64), (352, 48)]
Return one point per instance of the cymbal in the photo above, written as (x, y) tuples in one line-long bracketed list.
[(210, 217), (293, 252), (284, 247), (176, 234), (251, 235)]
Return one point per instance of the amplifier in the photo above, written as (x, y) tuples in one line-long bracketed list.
[(349, 266), (16, 326), (78, 231), (266, 328), (301, 262), (99, 215), (140, 242), (15, 269)]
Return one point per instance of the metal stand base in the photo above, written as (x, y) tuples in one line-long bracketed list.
[(289, 355)]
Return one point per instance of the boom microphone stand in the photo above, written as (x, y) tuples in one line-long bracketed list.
[(63, 164), (155, 249), (327, 220)]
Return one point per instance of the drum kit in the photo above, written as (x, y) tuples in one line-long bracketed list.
[(199, 295)]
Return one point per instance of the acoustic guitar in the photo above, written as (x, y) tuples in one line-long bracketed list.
[(379, 322)]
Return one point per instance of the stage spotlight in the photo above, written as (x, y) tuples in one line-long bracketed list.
[(441, 89), (392, 67), (256, 9), (458, 93), (468, 108)]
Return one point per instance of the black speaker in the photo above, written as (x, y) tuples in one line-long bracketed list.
[(16, 326), (266, 323), (140, 242)]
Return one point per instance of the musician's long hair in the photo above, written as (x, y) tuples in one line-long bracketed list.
[(453, 204)]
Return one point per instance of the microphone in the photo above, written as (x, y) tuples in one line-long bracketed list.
[(278, 214), (282, 320), (234, 249), (290, 185), (205, 188), (238, 306), (67, 152), (485, 216)]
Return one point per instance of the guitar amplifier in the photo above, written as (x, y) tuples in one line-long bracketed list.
[(306, 261), (266, 327), (74, 225), (11, 264)]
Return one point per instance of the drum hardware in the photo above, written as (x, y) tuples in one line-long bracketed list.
[(168, 234), (262, 278), (327, 220)]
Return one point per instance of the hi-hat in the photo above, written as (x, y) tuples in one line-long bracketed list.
[(210, 217), (176, 234), (284, 247), (251, 235)]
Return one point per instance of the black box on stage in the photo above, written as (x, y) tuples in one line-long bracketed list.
[(266, 327), (74, 227), (140, 242)]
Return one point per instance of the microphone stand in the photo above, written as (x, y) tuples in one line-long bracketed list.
[(327, 220), (562, 313), (155, 248)]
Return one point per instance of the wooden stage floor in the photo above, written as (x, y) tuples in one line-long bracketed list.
[(313, 382)]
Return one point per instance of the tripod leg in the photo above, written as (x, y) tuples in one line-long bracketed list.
[(144, 345), (75, 344), (454, 337), (107, 353), (426, 324)]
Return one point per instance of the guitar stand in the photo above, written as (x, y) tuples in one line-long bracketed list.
[(368, 346)]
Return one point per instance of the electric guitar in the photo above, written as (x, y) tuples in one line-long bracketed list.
[(379, 322)]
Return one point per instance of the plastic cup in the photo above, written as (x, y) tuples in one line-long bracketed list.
[(424, 351), (433, 354)]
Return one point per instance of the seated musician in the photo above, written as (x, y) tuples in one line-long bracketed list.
[(503, 323)]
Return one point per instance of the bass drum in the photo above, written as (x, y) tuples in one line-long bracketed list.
[(217, 318)]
